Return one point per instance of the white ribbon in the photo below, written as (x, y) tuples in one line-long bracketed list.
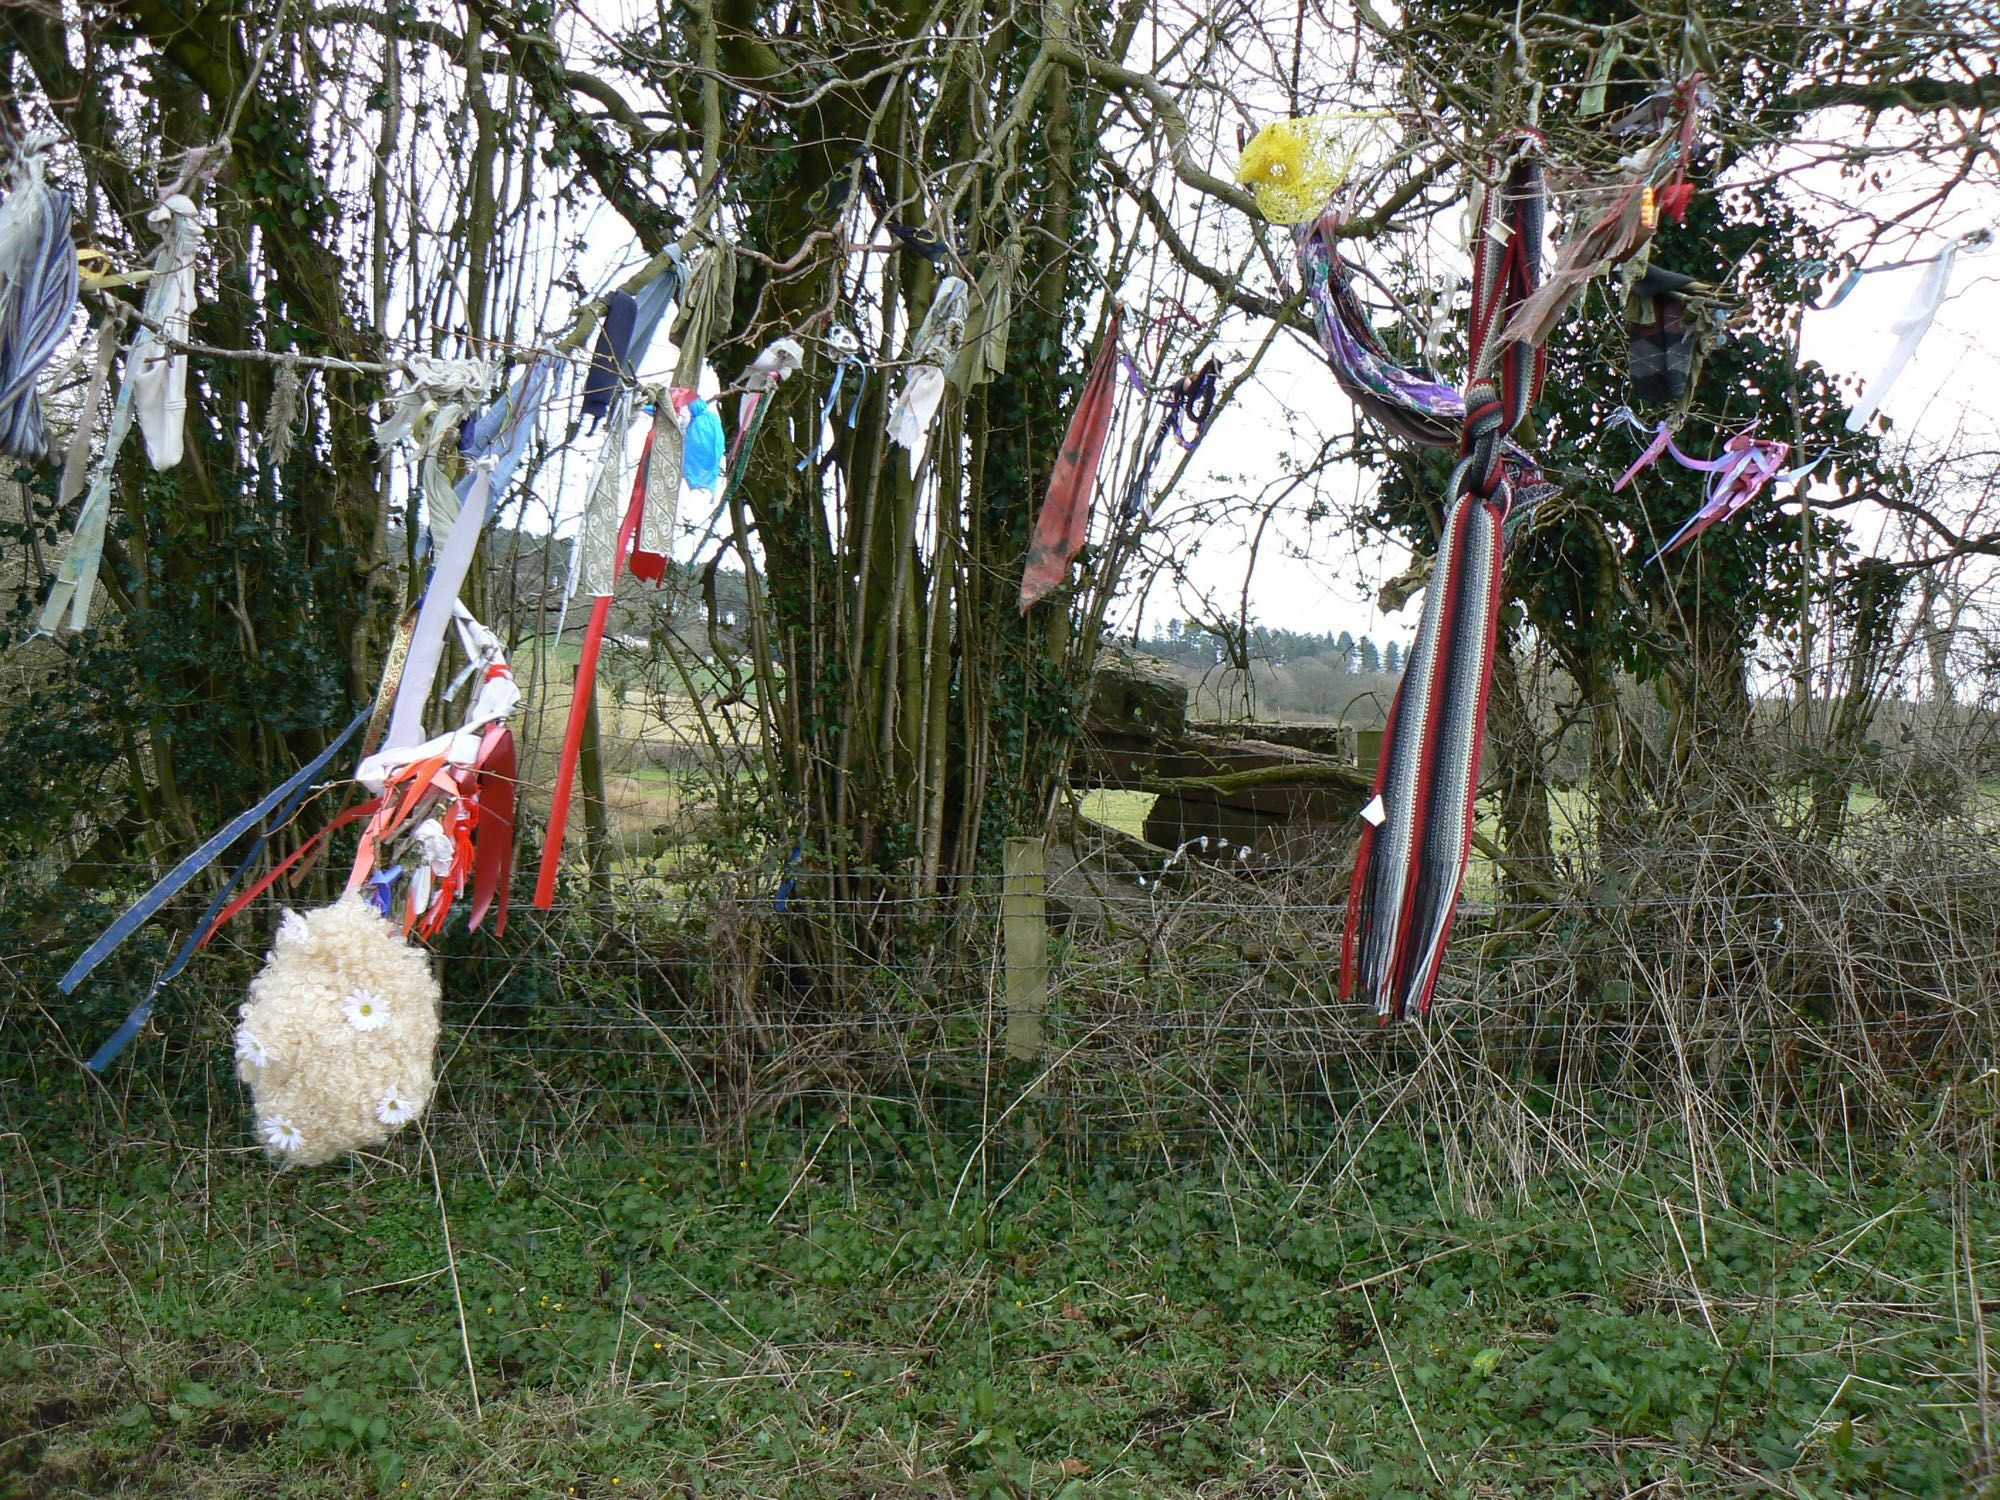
[(496, 698), (1912, 326), (158, 373), (434, 616)]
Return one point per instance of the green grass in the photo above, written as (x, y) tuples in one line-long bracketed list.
[(812, 1316)]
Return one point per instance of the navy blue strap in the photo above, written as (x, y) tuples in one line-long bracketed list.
[(116, 1043), (170, 885), (610, 366)]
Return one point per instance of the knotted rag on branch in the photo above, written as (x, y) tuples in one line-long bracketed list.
[(1414, 851)]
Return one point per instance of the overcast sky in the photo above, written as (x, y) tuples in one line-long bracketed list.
[(1324, 577)]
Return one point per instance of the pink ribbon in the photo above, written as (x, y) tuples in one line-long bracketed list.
[(1746, 466)]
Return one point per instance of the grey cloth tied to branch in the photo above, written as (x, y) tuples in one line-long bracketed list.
[(932, 352)]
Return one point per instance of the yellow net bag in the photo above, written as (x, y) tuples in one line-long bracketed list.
[(1294, 166)]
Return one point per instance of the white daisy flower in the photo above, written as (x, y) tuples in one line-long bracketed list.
[(281, 1134), (366, 1010), (291, 927), (395, 1108), (250, 1050)]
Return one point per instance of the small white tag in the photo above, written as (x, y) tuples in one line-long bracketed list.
[(1375, 814)]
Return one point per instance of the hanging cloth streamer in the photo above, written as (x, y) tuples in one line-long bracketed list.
[(76, 573), (983, 349), (709, 289), (495, 442), (158, 372), (592, 570), (454, 561), (76, 462), (1418, 833), (584, 692), (846, 350), (1293, 166), (611, 363), (653, 549), (776, 362), (38, 280), (149, 371), (651, 304), (933, 351), (1187, 401), (1909, 329), (1747, 466), (1064, 523)]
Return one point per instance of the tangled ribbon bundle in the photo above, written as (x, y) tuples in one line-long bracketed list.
[(1186, 404), (1415, 405), (38, 280), (1747, 466)]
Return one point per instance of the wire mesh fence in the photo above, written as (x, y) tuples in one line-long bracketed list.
[(1740, 985)]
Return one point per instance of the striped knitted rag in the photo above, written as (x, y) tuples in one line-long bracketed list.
[(1419, 835)]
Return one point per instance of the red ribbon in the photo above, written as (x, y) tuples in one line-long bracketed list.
[(270, 877), (585, 692), (1064, 523), (493, 862)]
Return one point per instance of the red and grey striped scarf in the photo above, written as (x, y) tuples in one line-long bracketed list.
[(1414, 851)]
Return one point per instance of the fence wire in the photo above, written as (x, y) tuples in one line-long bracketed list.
[(1746, 986)]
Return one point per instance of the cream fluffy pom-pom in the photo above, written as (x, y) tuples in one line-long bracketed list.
[(339, 1034)]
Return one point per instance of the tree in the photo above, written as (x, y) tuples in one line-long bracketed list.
[(407, 180), (1370, 658), (246, 585), (1580, 572)]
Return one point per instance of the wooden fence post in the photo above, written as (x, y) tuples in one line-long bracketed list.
[(1024, 921)]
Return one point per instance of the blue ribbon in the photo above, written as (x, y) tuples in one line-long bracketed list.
[(381, 888), (702, 460), (174, 880), (851, 359), (826, 411), (143, 1011)]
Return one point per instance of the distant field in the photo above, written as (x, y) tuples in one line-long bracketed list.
[(1124, 811)]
